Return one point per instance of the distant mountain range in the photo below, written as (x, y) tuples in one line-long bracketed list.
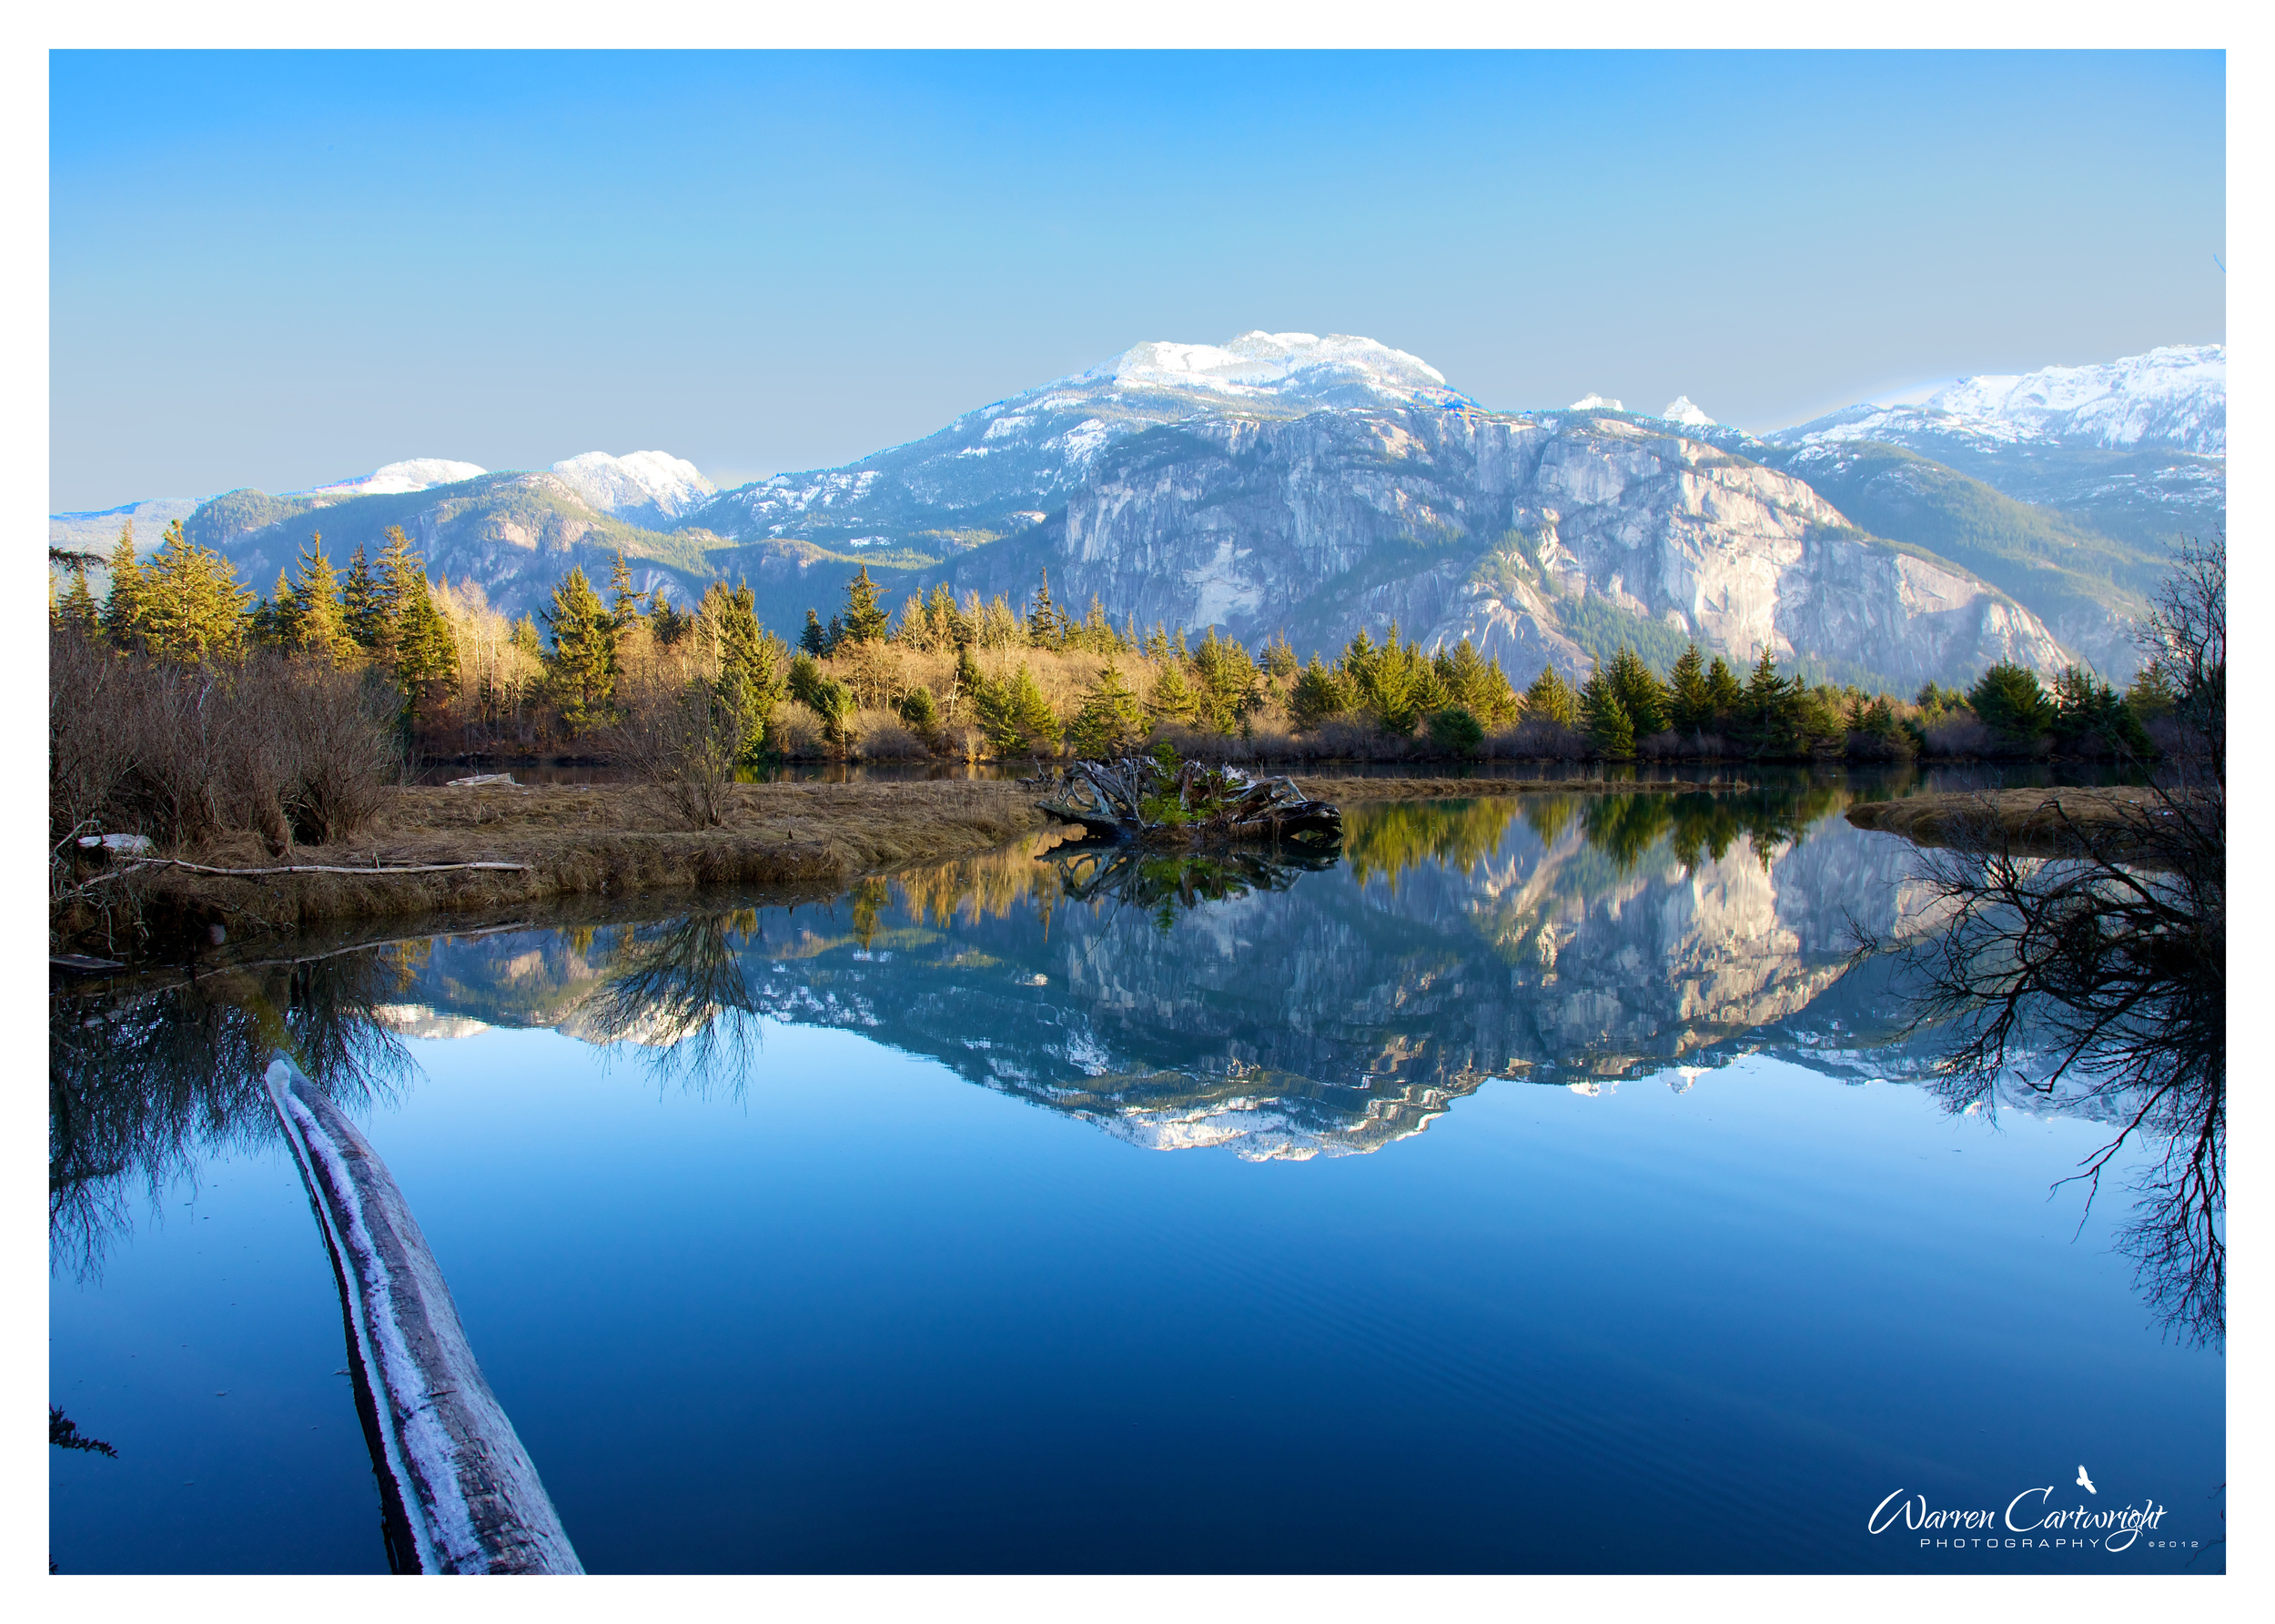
[(1317, 485)]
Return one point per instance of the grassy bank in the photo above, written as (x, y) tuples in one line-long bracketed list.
[(609, 842), (2040, 821)]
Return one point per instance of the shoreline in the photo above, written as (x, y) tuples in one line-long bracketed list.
[(616, 841)]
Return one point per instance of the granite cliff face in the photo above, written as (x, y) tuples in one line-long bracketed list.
[(1541, 537)]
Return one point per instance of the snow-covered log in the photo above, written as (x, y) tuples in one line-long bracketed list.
[(457, 1491)]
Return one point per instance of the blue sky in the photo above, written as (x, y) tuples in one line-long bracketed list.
[(277, 268)]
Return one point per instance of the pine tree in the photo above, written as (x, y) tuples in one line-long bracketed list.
[(363, 605), (1690, 705), (123, 607), (669, 623), (828, 699), (401, 574), (1610, 729), (1641, 693), (582, 669), (1318, 694), (1109, 721), (275, 617), (1725, 699), (1016, 717), (1172, 696), (1769, 704), (813, 640), (2010, 703), (1551, 699), (193, 609), (78, 608), (753, 663), (971, 683), (1044, 623), (623, 607), (426, 654), (526, 637), (1158, 643), (864, 622)]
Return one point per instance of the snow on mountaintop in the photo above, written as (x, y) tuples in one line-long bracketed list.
[(637, 482), (1595, 403), (1300, 365), (2174, 396), (1680, 410), (419, 473)]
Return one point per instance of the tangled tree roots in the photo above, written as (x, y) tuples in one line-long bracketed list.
[(1144, 798)]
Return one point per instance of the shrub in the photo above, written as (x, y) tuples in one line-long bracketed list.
[(1455, 731)]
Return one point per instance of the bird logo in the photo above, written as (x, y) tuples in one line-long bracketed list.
[(2085, 1482)]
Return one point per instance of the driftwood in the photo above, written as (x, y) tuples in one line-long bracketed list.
[(458, 1493), (1136, 797), (313, 868)]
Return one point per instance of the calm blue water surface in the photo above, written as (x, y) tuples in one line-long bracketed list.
[(1524, 1193)]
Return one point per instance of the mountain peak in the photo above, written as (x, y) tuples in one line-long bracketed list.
[(2174, 395), (1680, 410), (1301, 366), (417, 473), (641, 484)]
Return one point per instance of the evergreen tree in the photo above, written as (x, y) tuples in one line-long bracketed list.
[(1768, 704), (1476, 684), (971, 683), (582, 672), (864, 622), (1725, 698), (753, 663), (1226, 691), (1045, 627), (363, 605), (1018, 717), (2010, 703), (668, 623), (1109, 721), (623, 606), (830, 700), (276, 618), (122, 607), (193, 608), (1690, 701), (1610, 728), (1158, 643), (1319, 693), (525, 637), (1279, 657), (1551, 699), (426, 654), (813, 640), (1641, 693), (78, 606), (1172, 697), (2152, 693)]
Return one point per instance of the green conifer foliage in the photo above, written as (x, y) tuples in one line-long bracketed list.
[(1031, 720), (78, 608), (830, 700), (122, 607), (1226, 689), (1045, 626), (1551, 699), (426, 654), (2010, 703), (1610, 728), (1172, 697), (813, 640), (1641, 693), (1320, 694), (1726, 696), (193, 609), (582, 671), (1690, 701), (363, 605), (751, 663), (1477, 685), (1111, 721), (971, 683), (623, 602), (864, 620)]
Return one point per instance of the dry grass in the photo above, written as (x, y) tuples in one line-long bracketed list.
[(2030, 820), (582, 840)]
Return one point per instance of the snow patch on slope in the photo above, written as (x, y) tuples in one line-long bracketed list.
[(1680, 410), (1292, 365)]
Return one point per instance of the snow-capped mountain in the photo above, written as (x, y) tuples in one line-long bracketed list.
[(2174, 399), (1680, 410), (1336, 370), (398, 478), (649, 488)]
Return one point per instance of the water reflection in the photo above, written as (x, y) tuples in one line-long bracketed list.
[(140, 1085)]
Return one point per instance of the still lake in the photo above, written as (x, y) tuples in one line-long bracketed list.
[(1530, 1189)]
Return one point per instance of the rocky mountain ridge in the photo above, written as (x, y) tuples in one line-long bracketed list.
[(1317, 485)]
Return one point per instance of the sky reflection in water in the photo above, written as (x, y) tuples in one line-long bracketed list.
[(765, 1284)]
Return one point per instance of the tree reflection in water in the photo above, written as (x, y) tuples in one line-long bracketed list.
[(140, 1083), (678, 991)]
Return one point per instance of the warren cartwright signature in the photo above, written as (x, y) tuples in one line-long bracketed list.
[(2030, 1514)]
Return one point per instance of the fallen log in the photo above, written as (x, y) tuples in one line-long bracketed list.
[(1141, 798), (457, 1492), (316, 868)]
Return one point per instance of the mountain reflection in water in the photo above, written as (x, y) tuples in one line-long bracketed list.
[(1285, 1007)]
